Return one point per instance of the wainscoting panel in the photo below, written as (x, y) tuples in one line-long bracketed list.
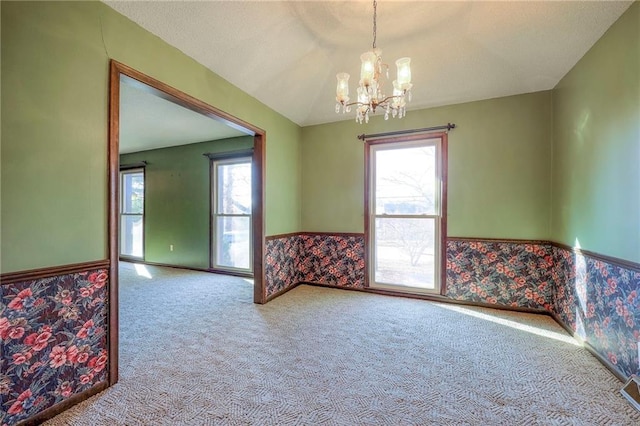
[(332, 259), (336, 260), (53, 336), (282, 263), (599, 301), (503, 273)]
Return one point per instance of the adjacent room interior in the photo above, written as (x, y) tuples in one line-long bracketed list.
[(189, 231), (182, 173)]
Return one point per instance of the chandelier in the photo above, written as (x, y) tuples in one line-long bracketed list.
[(370, 88)]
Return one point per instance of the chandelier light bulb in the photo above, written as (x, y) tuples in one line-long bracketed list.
[(367, 70), (342, 90), (404, 72)]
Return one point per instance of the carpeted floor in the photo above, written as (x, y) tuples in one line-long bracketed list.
[(196, 350)]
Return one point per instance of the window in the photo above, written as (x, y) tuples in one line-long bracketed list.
[(405, 219), (132, 213), (232, 247)]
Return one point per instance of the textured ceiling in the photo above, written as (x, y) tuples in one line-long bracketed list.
[(287, 53), (148, 122)]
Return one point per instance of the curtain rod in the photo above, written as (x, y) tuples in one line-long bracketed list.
[(447, 127), (137, 165), (229, 154)]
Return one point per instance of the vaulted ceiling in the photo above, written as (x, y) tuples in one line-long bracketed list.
[(286, 53)]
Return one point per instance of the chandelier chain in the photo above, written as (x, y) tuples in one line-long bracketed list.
[(375, 7)]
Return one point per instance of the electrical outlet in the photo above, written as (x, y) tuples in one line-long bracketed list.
[(170, 247)]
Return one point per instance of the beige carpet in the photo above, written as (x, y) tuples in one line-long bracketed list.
[(196, 350)]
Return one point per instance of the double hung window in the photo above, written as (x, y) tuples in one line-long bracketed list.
[(232, 247), (132, 213), (405, 214)]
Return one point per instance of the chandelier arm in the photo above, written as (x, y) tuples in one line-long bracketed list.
[(376, 104), (352, 103), (388, 98)]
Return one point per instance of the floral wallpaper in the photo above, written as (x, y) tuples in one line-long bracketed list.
[(317, 258), (53, 341), (564, 298), (500, 273), (332, 259), (282, 263), (599, 301)]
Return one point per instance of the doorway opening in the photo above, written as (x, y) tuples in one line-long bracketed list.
[(119, 73)]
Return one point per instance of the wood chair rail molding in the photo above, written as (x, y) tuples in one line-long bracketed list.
[(53, 271)]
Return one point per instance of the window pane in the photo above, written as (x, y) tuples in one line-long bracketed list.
[(234, 188), (133, 192), (131, 231), (404, 251), (233, 242), (406, 181)]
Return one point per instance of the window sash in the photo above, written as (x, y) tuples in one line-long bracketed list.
[(125, 192), (217, 214)]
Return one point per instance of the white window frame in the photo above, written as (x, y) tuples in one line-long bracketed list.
[(215, 163), (123, 173)]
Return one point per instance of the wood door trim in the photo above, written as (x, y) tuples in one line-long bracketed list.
[(163, 90)]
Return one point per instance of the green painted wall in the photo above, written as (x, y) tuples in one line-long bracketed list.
[(499, 169), (596, 146), (54, 109), (177, 200), (54, 77)]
